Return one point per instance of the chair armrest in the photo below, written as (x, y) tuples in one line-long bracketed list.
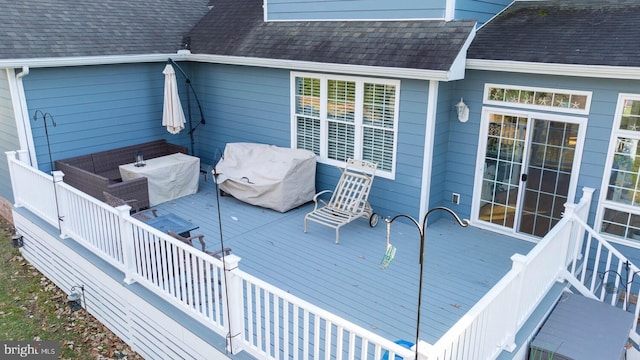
[(134, 204), (200, 238), (218, 253), (132, 189), (316, 198), (189, 240)]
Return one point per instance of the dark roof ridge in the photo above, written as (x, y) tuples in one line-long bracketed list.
[(237, 28)]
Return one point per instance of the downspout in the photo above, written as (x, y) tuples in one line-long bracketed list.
[(22, 117), (23, 73)]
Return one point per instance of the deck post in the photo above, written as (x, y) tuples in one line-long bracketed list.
[(12, 155), (126, 237), (520, 266), (577, 232), (59, 201), (235, 304)]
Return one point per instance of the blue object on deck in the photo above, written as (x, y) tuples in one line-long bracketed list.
[(405, 343), (172, 222)]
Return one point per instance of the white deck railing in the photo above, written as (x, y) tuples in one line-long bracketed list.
[(267, 322), (262, 319), (32, 188), (491, 325), (607, 275)]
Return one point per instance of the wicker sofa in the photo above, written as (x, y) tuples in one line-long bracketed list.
[(98, 172)]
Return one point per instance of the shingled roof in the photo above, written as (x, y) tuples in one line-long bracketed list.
[(237, 28), (583, 32), (63, 28)]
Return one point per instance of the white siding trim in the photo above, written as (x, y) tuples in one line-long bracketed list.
[(265, 10), (427, 157), (21, 114), (593, 71), (450, 10)]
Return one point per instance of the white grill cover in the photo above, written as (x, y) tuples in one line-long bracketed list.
[(266, 175)]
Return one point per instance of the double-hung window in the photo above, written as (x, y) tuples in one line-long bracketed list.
[(339, 117), (619, 213)]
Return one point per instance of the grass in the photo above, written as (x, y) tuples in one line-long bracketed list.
[(32, 308)]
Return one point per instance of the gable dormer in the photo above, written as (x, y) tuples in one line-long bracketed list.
[(358, 10)]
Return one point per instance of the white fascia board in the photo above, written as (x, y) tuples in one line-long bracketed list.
[(458, 66), (325, 67), (591, 71), (391, 72), (88, 60)]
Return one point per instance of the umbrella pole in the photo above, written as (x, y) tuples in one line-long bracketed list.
[(189, 114), (187, 86)]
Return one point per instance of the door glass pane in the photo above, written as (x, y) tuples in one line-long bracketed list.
[(548, 172), (502, 169)]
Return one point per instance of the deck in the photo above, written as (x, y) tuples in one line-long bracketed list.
[(461, 264)]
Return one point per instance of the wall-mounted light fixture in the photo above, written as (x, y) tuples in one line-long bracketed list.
[(17, 240), (75, 299), (463, 111)]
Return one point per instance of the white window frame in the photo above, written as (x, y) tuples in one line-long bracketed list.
[(526, 105), (358, 116), (602, 201)]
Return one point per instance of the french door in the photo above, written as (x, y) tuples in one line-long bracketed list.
[(527, 168)]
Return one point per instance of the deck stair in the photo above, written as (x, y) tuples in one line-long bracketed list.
[(599, 271)]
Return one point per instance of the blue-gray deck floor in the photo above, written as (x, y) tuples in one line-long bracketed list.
[(461, 264)]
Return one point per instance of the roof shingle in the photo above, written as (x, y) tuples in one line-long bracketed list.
[(237, 28), (65, 28), (583, 32)]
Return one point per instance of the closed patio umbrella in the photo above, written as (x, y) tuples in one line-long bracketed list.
[(172, 114)]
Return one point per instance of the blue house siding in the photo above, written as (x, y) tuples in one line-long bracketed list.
[(402, 195), (248, 104), (481, 10), (96, 108), (450, 144), (600, 119), (8, 134), (241, 104), (278, 10)]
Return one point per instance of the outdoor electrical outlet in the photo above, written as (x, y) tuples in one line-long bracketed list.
[(455, 198)]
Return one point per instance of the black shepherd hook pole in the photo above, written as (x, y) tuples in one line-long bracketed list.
[(45, 116), (187, 86), (422, 229)]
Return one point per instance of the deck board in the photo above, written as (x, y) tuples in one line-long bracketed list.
[(461, 264)]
